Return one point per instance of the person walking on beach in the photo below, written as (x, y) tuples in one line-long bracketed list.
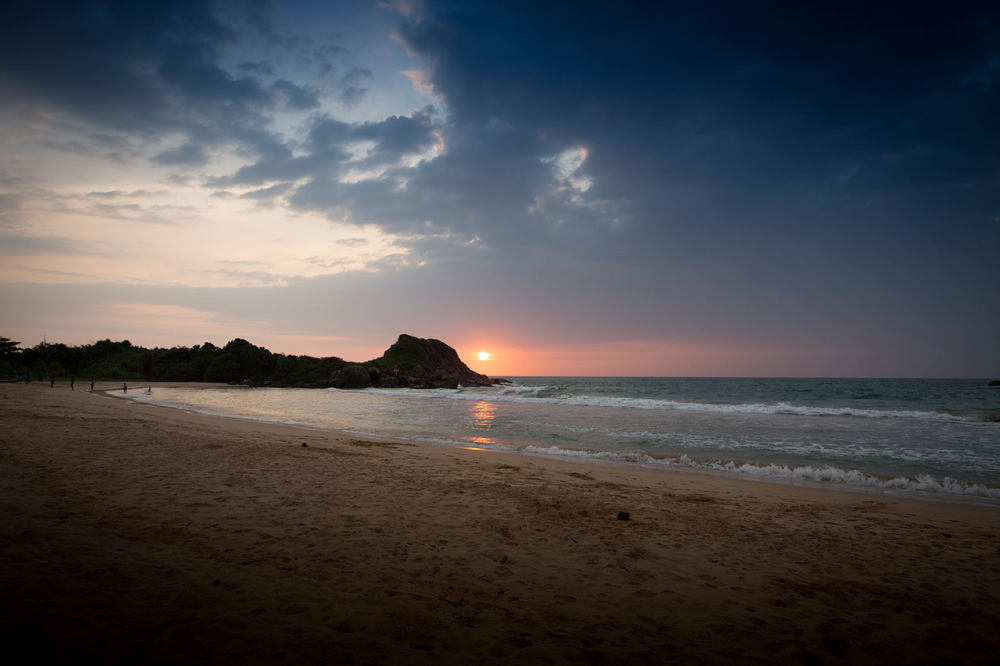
[(72, 380), (124, 387), (91, 384), (52, 382)]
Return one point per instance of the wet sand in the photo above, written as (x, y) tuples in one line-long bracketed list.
[(136, 533)]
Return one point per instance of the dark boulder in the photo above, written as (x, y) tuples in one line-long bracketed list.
[(351, 377)]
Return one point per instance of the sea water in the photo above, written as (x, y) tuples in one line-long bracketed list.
[(927, 437)]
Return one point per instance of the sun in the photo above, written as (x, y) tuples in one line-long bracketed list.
[(484, 356)]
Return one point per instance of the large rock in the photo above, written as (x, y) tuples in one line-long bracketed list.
[(351, 377), (424, 363)]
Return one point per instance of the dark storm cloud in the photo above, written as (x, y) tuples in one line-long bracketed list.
[(94, 61), (147, 70), (296, 97), (483, 185), (696, 122), (397, 136), (199, 82), (350, 88), (753, 149), (259, 68), (834, 167), (725, 103), (327, 155), (278, 163)]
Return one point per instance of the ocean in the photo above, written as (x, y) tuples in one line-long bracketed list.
[(933, 438)]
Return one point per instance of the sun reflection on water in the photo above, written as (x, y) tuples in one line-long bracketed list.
[(482, 417)]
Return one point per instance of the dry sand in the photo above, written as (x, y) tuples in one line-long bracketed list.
[(137, 533)]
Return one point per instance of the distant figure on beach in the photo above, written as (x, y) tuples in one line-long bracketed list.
[(52, 382), (149, 390), (124, 387), (72, 380), (91, 384)]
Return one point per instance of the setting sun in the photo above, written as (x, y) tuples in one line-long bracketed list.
[(484, 356)]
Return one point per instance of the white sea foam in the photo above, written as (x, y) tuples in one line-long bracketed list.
[(844, 450), (824, 474), (539, 395)]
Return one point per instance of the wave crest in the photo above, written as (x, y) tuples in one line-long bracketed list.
[(556, 395), (823, 474)]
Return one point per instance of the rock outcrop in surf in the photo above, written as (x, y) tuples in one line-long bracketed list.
[(351, 377), (411, 362)]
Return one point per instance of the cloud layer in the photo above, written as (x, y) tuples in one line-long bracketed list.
[(770, 176)]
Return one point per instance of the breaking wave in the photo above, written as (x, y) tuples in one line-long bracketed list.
[(552, 395), (820, 474)]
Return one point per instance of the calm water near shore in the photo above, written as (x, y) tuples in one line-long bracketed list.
[(929, 437)]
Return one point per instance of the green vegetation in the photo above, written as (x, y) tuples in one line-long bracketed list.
[(407, 351), (239, 360)]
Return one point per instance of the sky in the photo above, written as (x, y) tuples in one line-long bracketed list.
[(664, 189)]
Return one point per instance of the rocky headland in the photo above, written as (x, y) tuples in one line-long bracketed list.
[(411, 362)]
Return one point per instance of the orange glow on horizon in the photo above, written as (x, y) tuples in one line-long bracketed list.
[(642, 358)]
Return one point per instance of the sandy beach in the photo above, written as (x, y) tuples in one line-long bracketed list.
[(133, 533)]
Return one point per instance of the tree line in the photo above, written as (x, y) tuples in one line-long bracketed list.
[(237, 361)]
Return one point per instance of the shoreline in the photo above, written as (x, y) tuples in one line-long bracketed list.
[(931, 489), (138, 532)]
